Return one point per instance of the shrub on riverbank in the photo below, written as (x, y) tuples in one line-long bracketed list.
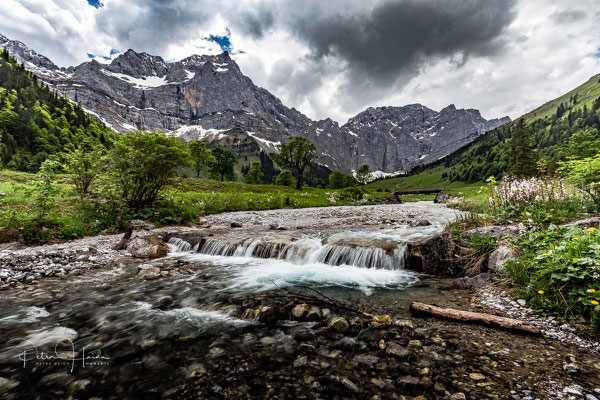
[(559, 271)]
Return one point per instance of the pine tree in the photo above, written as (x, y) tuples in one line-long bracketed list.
[(523, 157)]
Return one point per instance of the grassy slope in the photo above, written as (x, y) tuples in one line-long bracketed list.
[(431, 178), (587, 93)]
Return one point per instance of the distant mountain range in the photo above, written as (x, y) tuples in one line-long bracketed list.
[(209, 98)]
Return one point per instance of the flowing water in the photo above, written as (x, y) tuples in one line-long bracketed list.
[(124, 337)]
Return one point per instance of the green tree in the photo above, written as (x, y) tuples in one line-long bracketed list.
[(201, 156), (143, 163), (285, 178), (585, 174), (297, 154), (522, 155), (44, 189), (337, 179), (583, 144), (84, 165), (254, 175), (223, 161), (363, 175)]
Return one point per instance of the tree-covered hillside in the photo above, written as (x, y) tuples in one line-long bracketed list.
[(36, 123), (569, 125)]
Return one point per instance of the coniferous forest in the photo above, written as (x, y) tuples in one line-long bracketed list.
[(36, 123)]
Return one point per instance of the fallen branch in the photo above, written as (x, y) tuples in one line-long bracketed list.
[(125, 239), (321, 299), (468, 316)]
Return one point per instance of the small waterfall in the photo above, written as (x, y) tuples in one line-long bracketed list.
[(181, 246), (303, 251)]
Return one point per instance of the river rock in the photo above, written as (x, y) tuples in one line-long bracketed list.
[(468, 282), (236, 224), (499, 257), (7, 384), (149, 246), (300, 310), (395, 349), (380, 321), (338, 324), (496, 231), (314, 314), (419, 222), (140, 224), (77, 388), (148, 271), (433, 255)]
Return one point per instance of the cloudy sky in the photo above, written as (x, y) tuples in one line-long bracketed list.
[(334, 58)]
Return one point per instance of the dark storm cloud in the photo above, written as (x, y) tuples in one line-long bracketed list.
[(151, 25), (396, 37), (567, 16)]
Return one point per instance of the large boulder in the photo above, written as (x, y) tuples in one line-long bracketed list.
[(434, 256), (585, 223), (496, 231), (445, 198), (149, 246), (499, 257), (469, 282)]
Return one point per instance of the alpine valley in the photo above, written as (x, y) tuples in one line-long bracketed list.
[(209, 98)]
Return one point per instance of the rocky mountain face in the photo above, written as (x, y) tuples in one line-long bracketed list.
[(209, 98)]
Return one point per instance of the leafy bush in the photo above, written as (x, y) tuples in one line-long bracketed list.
[(143, 163), (585, 174), (559, 271), (351, 193), (483, 244), (285, 178)]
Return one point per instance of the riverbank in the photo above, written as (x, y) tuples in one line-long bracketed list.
[(234, 324)]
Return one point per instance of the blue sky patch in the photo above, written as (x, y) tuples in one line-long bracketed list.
[(223, 42), (597, 55), (95, 3), (107, 58)]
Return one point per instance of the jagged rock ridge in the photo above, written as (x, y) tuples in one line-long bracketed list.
[(208, 97)]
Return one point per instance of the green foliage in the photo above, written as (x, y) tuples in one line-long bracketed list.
[(143, 163), (363, 175), (584, 143), (352, 194), (483, 244), (36, 123), (222, 162), (201, 156), (522, 157), (298, 153), (585, 174), (285, 178), (84, 165), (559, 271), (44, 189), (255, 174), (337, 179)]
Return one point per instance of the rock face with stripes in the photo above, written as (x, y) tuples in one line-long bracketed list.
[(209, 98)]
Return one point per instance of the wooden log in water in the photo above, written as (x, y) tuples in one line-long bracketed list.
[(469, 316), (125, 239)]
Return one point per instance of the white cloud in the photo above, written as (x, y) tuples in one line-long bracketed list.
[(546, 50)]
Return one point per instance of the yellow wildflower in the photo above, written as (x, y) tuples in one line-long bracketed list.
[(591, 290), (575, 238), (546, 254), (594, 302), (591, 229), (544, 244), (540, 291)]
